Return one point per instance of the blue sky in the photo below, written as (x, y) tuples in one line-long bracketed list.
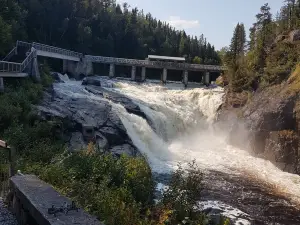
[(216, 19)]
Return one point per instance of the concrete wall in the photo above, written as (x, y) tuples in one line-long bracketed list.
[(76, 69)]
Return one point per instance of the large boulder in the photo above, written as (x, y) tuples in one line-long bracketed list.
[(85, 119), (112, 134), (91, 81), (128, 104), (125, 149), (58, 77)]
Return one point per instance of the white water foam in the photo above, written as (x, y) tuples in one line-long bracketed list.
[(182, 119)]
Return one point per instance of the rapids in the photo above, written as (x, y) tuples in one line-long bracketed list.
[(180, 128)]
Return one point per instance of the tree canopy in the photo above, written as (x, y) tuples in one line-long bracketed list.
[(99, 27)]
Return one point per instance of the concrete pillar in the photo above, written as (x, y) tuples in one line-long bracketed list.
[(133, 72), (111, 70), (164, 76), (1, 84), (207, 78), (89, 69), (65, 66), (143, 73), (35, 70), (185, 78)]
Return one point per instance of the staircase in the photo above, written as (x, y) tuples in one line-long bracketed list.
[(14, 64)]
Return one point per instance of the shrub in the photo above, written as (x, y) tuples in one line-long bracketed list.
[(116, 190), (181, 197)]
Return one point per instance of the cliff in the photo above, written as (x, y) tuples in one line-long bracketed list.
[(267, 122)]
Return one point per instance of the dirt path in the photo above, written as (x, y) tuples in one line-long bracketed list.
[(6, 218)]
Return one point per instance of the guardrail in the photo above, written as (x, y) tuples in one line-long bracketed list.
[(10, 54), (154, 64), (123, 61), (17, 67), (10, 67), (28, 60), (61, 51), (24, 44)]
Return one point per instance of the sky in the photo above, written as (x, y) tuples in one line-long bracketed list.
[(216, 19)]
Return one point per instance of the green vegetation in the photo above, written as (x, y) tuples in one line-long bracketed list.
[(116, 190), (273, 50)]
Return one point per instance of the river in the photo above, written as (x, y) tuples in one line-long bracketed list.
[(181, 129)]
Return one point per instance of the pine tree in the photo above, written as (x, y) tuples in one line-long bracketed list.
[(241, 39), (238, 41)]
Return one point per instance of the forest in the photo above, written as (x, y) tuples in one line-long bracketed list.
[(271, 52), (98, 27)]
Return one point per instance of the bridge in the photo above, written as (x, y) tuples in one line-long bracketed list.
[(79, 64)]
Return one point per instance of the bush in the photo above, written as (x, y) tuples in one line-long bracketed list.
[(116, 190), (181, 197), (281, 60)]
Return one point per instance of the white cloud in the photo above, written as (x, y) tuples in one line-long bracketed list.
[(181, 24)]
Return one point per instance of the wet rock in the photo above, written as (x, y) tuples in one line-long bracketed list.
[(268, 126), (77, 143), (282, 148), (128, 104), (123, 149), (113, 135), (91, 81), (58, 77), (278, 115), (86, 119)]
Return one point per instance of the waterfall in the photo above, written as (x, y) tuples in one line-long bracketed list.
[(180, 128), (182, 132)]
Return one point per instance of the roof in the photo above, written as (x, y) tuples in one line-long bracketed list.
[(166, 58)]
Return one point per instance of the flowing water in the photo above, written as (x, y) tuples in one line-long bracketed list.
[(182, 129)]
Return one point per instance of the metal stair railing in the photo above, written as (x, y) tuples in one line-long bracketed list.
[(10, 67), (17, 67), (24, 44), (10, 54), (48, 48), (28, 60)]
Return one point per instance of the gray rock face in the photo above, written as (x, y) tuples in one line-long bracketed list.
[(101, 142), (269, 126), (76, 143), (117, 98), (294, 36), (88, 118), (123, 149)]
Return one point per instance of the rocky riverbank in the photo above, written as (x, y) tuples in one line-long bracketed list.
[(267, 122), (83, 121)]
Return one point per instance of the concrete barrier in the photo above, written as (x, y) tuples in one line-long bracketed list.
[(35, 202)]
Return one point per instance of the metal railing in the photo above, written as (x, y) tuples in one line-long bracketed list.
[(10, 54), (155, 64), (24, 44), (17, 67), (120, 61), (10, 67), (28, 60), (52, 49)]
